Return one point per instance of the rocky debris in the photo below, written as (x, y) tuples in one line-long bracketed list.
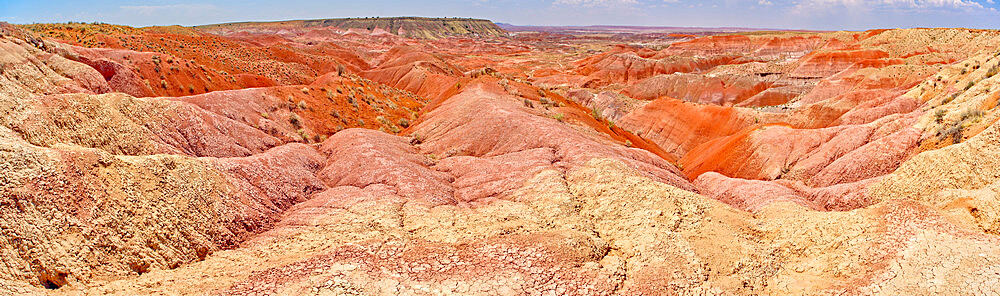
[(643, 234), (28, 71), (76, 214), (607, 105), (961, 182)]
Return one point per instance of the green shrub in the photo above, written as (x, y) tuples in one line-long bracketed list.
[(350, 100), (939, 115), (971, 114), (949, 99), (544, 101), (303, 135), (955, 133), (295, 120), (596, 114), (417, 139), (993, 71)]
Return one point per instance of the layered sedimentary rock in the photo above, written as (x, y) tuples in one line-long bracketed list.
[(411, 27), (329, 162)]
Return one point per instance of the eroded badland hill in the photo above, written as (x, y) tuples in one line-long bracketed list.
[(447, 156)]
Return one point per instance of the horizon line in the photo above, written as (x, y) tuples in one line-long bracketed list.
[(500, 23)]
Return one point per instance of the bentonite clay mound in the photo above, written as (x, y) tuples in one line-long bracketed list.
[(329, 158)]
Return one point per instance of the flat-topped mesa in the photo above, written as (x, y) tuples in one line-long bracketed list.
[(410, 27)]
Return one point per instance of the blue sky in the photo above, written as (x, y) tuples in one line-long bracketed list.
[(793, 14)]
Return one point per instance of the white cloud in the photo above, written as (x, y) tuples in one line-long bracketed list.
[(910, 4), (167, 9), (824, 7), (764, 2), (597, 3)]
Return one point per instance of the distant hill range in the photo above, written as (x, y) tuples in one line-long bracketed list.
[(411, 27), (629, 29)]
